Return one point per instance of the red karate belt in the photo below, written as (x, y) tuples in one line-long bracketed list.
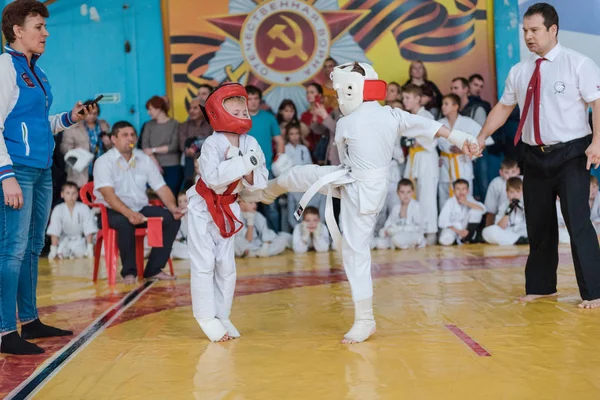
[(219, 207), (533, 90)]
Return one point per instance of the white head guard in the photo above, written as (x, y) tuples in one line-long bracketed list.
[(353, 88)]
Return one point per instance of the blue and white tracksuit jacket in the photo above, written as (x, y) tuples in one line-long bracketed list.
[(26, 129)]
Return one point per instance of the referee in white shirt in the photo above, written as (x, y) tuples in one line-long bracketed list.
[(554, 88)]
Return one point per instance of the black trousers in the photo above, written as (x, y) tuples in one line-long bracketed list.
[(126, 240), (560, 172)]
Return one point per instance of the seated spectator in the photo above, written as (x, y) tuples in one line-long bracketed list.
[(85, 134), (311, 233), (256, 239), (460, 216), (120, 179), (288, 113), (72, 225), (180, 248), (510, 225)]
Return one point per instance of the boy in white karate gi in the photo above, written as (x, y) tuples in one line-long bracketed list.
[(71, 227), (422, 165), (460, 216), (453, 164), (311, 233), (230, 160), (496, 193), (365, 139), (256, 239), (510, 225), (180, 246), (404, 227)]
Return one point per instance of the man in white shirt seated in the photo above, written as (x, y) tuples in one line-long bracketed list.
[(120, 179)]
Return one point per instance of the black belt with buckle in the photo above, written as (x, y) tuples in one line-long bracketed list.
[(550, 148)]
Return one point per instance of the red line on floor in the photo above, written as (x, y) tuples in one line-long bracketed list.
[(468, 340)]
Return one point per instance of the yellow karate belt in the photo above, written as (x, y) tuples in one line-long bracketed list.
[(411, 158), (453, 172)]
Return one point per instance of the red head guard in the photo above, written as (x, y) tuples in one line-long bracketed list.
[(216, 114)]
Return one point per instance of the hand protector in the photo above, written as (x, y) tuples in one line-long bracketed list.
[(458, 138), (249, 216)]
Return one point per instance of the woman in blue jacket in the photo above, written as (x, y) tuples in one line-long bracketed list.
[(26, 147)]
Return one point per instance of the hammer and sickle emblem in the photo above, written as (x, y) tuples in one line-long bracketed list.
[(294, 47)]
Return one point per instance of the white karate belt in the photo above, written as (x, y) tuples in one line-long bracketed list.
[(329, 180)]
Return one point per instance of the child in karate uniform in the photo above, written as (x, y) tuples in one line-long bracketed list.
[(496, 193), (510, 225), (256, 239), (405, 226), (460, 216), (453, 164), (180, 246), (71, 227), (422, 166), (230, 160), (311, 234)]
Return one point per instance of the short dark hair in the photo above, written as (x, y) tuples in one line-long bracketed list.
[(16, 13), (405, 182), (452, 97), (207, 86), (476, 76), (514, 183), (459, 182), (120, 125), (508, 163), (547, 11), (464, 81), (412, 88), (250, 89), (357, 68), (69, 184)]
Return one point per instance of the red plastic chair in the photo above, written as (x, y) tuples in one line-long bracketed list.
[(108, 236)]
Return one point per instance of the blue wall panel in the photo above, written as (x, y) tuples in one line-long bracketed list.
[(85, 57), (506, 33)]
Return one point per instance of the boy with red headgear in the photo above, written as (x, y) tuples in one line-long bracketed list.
[(230, 160)]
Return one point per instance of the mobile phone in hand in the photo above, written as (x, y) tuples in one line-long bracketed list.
[(90, 103)]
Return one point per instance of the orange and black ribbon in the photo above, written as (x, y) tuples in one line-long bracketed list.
[(423, 29)]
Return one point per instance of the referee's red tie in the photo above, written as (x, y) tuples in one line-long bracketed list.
[(533, 90)]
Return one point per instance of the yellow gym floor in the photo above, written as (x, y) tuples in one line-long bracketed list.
[(448, 328)]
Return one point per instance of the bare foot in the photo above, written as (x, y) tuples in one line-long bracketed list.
[(532, 297), (129, 280), (225, 338), (590, 304), (360, 331), (162, 276)]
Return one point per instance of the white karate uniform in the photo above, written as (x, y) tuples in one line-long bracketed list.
[(301, 156), (303, 241), (458, 216), (180, 246), (365, 141), (403, 233), (563, 233), (448, 173), (496, 195), (423, 167), (515, 229), (72, 228), (595, 213), (212, 258), (265, 242)]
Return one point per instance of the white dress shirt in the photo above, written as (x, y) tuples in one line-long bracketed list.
[(128, 179), (569, 80)]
